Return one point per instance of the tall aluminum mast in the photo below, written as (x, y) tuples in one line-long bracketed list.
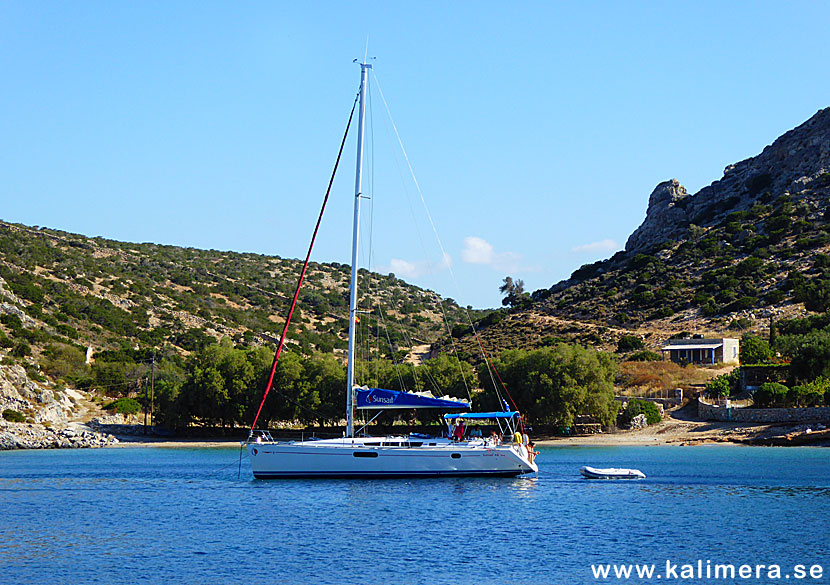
[(358, 181)]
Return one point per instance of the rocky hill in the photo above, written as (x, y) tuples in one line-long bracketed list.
[(753, 245), (794, 164), (80, 313), (104, 294)]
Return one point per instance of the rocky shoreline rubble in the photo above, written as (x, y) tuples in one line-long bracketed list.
[(37, 436), (53, 415)]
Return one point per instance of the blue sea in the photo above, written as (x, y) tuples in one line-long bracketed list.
[(162, 515)]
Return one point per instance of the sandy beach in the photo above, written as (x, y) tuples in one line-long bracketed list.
[(667, 432), (676, 431), (175, 443)]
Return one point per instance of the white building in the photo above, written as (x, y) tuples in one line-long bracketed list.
[(702, 351)]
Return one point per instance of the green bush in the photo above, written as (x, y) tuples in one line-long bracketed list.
[(804, 395), (124, 406), (724, 385), (749, 267), (644, 356), (771, 394), (587, 271), (809, 354), (741, 304), (33, 373), (755, 350), (662, 312), (815, 294), (13, 322), (815, 393), (636, 406), (629, 343), (13, 415), (21, 349), (774, 297)]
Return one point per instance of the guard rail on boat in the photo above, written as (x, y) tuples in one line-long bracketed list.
[(260, 437)]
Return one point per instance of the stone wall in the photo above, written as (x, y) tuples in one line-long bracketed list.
[(712, 412), (663, 403)]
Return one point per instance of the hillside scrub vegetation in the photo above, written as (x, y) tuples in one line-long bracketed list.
[(748, 252), (77, 291)]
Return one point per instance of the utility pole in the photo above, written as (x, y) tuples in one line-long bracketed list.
[(145, 405), (152, 387)]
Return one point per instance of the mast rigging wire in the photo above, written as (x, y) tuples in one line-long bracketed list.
[(487, 361), (444, 256), (305, 267)]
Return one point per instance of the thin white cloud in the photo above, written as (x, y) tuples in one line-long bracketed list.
[(507, 262), (606, 245), (479, 251), (403, 268), (407, 269)]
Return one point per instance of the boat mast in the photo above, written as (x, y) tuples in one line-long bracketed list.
[(364, 67)]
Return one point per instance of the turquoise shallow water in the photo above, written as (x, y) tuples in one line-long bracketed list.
[(148, 515)]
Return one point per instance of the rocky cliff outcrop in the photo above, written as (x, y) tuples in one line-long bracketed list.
[(18, 392), (666, 217), (788, 165)]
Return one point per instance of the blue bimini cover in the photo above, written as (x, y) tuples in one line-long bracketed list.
[(380, 399), (482, 415)]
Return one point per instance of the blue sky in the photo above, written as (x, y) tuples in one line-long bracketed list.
[(536, 130)]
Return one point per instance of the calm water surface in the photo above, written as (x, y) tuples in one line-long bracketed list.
[(154, 515)]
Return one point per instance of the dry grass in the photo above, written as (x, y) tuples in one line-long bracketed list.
[(659, 378)]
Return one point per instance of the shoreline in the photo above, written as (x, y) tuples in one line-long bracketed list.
[(670, 431), (688, 433)]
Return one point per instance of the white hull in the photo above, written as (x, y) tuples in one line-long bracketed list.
[(386, 457)]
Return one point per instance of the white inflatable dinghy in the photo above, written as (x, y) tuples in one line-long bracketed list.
[(611, 473)]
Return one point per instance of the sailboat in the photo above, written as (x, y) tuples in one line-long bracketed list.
[(506, 453)]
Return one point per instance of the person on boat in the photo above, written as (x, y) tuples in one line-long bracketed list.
[(475, 433), (531, 454), (458, 434), (494, 438)]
